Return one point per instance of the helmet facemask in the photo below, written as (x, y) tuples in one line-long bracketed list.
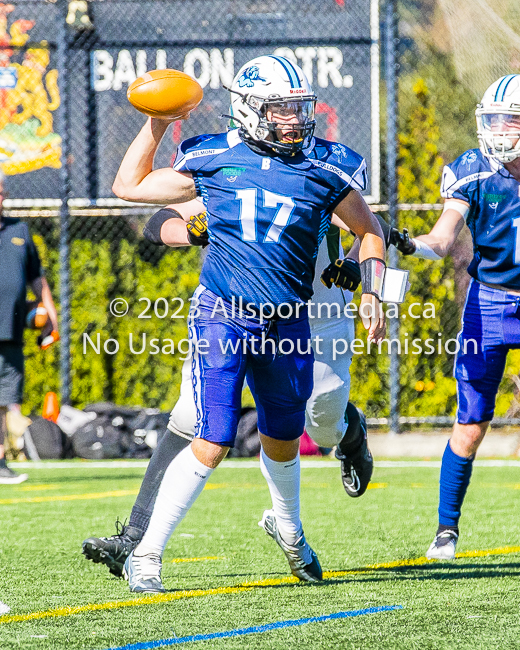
[(289, 123), (285, 126), (499, 134)]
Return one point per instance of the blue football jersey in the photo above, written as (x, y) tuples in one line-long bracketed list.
[(494, 216), (266, 214)]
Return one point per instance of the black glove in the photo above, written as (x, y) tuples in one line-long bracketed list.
[(344, 274), (402, 241), (198, 230)]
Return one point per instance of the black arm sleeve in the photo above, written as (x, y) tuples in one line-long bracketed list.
[(152, 230), (385, 227), (33, 264)]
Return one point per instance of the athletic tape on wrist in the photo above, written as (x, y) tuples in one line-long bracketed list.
[(459, 207), (424, 251), (372, 276)]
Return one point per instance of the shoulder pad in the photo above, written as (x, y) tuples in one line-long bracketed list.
[(198, 141), (195, 152), (469, 162), (463, 173), (342, 160)]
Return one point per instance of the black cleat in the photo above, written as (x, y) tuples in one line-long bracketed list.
[(113, 551), (357, 463)]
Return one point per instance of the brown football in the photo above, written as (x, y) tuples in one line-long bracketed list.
[(165, 93), (36, 315)]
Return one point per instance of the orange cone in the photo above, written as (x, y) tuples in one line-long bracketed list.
[(51, 408)]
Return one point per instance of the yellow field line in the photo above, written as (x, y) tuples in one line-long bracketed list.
[(36, 488), (178, 560), (100, 495), (126, 493), (70, 497), (504, 550), (245, 586)]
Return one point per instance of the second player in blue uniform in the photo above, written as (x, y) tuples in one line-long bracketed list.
[(482, 189)]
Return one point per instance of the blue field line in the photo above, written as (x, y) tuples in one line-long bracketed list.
[(257, 629)]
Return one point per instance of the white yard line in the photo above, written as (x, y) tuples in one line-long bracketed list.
[(246, 464)]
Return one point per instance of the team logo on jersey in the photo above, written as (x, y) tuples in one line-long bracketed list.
[(232, 173), (494, 199), (339, 151), (469, 158), (17, 241), (249, 76)]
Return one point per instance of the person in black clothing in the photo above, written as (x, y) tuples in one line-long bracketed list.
[(19, 266)]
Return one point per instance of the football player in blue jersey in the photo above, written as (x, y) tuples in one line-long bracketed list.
[(482, 189), (330, 419), (270, 189)]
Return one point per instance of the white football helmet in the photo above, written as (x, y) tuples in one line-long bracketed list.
[(498, 119), (273, 104)]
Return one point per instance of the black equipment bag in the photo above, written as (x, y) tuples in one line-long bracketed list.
[(44, 439), (104, 437)]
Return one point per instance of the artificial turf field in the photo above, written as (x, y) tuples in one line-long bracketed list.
[(223, 573)]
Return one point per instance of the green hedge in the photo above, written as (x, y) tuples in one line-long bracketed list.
[(99, 272)]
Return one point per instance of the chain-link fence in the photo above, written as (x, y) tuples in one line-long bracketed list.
[(65, 124)]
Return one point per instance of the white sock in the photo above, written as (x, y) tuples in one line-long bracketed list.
[(183, 481), (283, 480)]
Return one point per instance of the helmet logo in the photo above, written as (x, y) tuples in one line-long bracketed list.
[(249, 76)]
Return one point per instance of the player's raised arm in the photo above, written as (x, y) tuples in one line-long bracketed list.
[(438, 242), (355, 213), (137, 181)]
